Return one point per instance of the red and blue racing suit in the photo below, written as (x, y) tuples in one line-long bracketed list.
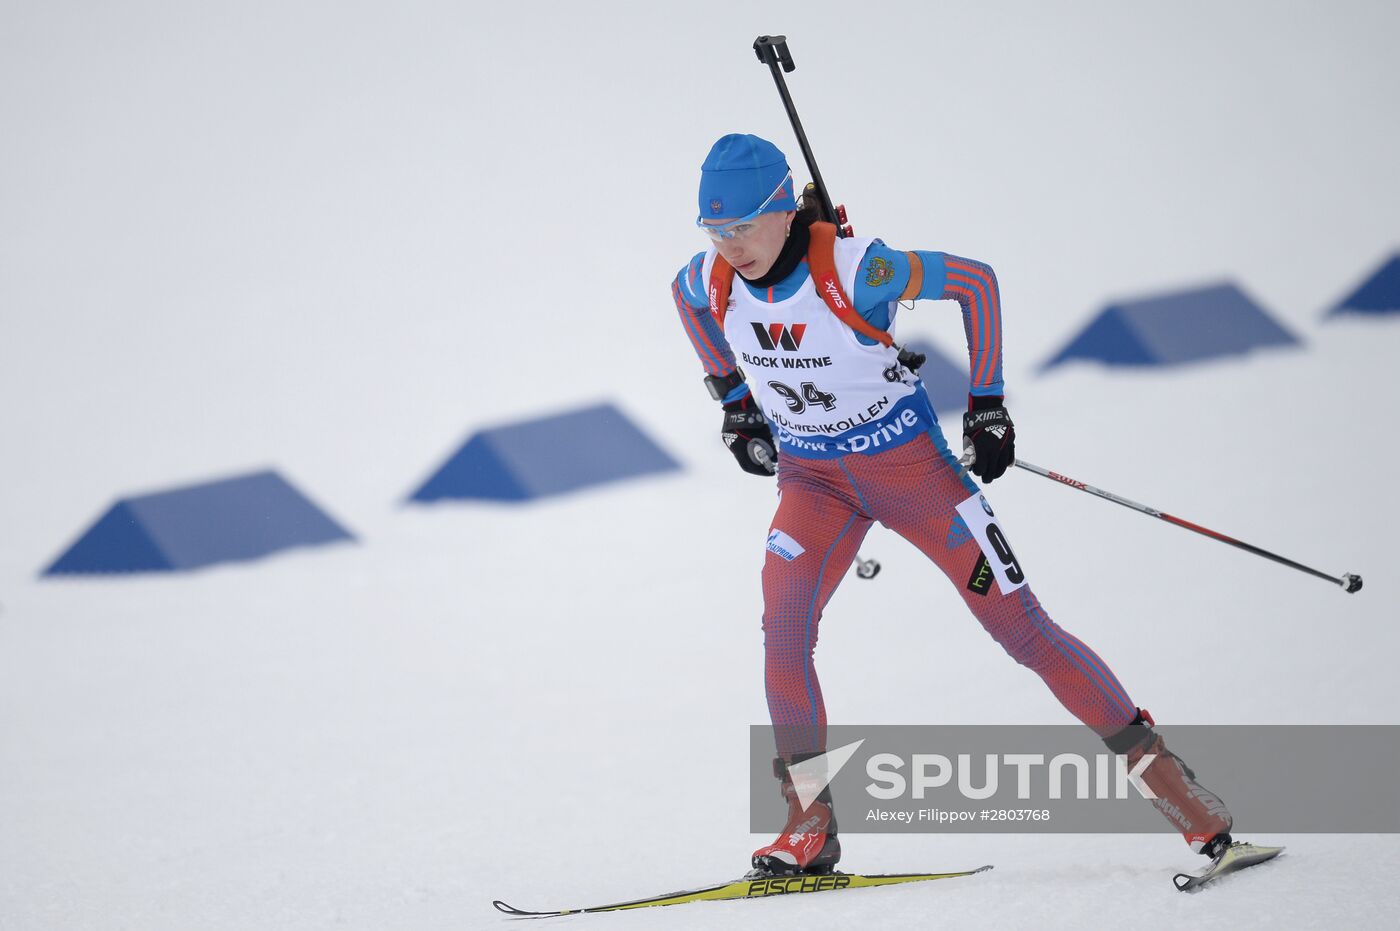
[(906, 479)]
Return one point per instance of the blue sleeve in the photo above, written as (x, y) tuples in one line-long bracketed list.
[(884, 274), (706, 338), (882, 277), (688, 281)]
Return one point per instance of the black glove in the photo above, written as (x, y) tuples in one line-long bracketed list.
[(990, 436), (746, 434)]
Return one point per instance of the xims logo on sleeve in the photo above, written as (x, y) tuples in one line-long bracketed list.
[(776, 335), (785, 546)]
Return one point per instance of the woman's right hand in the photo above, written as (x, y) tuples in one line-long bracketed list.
[(745, 432)]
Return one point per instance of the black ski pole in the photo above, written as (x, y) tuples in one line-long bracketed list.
[(1348, 581), (773, 52)]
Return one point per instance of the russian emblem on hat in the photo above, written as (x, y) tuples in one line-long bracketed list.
[(716, 206)]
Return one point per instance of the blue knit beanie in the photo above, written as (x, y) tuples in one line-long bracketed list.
[(740, 173)]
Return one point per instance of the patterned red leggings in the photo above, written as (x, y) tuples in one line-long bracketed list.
[(827, 506)]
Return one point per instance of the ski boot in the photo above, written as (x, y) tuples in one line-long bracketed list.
[(1194, 810), (808, 843), (1197, 812)]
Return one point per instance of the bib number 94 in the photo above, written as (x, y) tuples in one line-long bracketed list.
[(810, 394)]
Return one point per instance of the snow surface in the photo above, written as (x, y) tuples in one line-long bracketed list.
[(335, 238)]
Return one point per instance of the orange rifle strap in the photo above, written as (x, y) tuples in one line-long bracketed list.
[(721, 278), (821, 260)]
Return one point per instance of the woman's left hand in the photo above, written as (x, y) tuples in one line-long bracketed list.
[(990, 436)]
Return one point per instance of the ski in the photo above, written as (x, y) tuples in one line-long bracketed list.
[(1236, 857), (751, 886)]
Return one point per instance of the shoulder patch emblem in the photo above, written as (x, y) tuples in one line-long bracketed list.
[(880, 271)]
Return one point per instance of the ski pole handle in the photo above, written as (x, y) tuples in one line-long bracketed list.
[(760, 451)]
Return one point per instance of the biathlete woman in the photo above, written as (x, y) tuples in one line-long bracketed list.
[(829, 400)]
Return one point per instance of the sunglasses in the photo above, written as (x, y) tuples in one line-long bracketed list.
[(745, 225)]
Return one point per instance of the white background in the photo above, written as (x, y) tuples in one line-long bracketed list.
[(336, 238)]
